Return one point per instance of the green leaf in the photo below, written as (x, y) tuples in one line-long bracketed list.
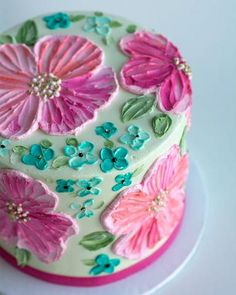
[(28, 33), (131, 29), (107, 40), (22, 256), (98, 13), (46, 143), (109, 144), (137, 107), (59, 162), (99, 205), (19, 149), (72, 141), (161, 124), (76, 18), (182, 143), (4, 39), (115, 24), (89, 262), (138, 171), (97, 240)]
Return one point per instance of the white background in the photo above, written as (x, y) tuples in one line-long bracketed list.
[(205, 31)]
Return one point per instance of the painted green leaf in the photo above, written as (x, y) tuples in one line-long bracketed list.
[(28, 33), (161, 124), (98, 13), (89, 262), (97, 240), (115, 24), (138, 171), (22, 257), (137, 107), (99, 205), (4, 39), (46, 143), (19, 149), (59, 162), (109, 144), (182, 143), (76, 18), (108, 40), (131, 29), (72, 141)]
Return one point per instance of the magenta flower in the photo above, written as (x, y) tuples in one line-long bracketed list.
[(58, 87), (27, 217), (146, 213), (156, 66)]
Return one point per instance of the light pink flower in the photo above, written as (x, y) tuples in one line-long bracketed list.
[(156, 66), (73, 86), (27, 217), (146, 213)]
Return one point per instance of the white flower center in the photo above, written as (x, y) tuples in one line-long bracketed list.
[(159, 203), (46, 86), (182, 65), (16, 212)]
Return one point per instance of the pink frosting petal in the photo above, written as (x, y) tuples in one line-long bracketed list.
[(8, 229), (149, 45), (79, 101), (175, 93), (67, 56), (135, 245), (45, 235), (143, 75)]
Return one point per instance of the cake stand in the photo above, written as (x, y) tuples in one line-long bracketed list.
[(147, 281)]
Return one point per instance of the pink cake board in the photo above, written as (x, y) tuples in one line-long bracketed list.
[(147, 281)]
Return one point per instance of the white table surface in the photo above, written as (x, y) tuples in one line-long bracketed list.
[(205, 30)]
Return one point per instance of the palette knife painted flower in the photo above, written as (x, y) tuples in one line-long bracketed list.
[(57, 87)]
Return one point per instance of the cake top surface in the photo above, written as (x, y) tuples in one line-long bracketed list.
[(83, 92)]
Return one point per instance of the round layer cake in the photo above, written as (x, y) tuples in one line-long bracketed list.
[(93, 115)]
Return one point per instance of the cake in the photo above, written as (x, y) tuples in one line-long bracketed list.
[(94, 111)]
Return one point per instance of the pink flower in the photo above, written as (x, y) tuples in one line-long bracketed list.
[(58, 87), (148, 212), (156, 66), (27, 217)]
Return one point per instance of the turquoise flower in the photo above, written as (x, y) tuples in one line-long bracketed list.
[(122, 180), (113, 159), (83, 209), (38, 156), (135, 137), (4, 147), (58, 20), (98, 24), (88, 187), (104, 264), (65, 186), (106, 130), (80, 155)]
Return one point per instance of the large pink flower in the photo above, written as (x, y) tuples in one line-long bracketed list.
[(27, 217), (148, 212), (57, 87), (156, 66)]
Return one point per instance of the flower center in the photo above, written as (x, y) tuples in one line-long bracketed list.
[(182, 65), (159, 203), (2, 146), (46, 86), (16, 212)]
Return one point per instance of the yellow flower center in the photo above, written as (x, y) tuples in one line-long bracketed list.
[(46, 86), (159, 203), (182, 65), (16, 212)]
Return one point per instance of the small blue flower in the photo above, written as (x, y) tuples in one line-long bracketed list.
[(81, 155), (113, 159), (122, 180), (104, 264), (65, 186), (4, 147), (83, 209), (98, 24), (38, 157), (106, 130), (135, 137), (88, 187), (58, 20)]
